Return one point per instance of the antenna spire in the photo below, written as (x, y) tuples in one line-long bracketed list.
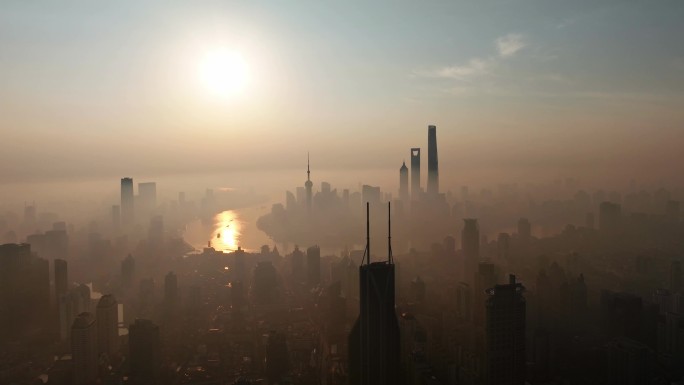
[(308, 171), (390, 258), (367, 253)]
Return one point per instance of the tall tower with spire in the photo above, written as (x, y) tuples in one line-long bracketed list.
[(308, 184), (433, 169), (404, 183), (374, 346)]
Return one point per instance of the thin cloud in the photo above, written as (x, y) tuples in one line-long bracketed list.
[(506, 46), (510, 44), (475, 66)]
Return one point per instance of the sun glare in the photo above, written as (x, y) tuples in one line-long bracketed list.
[(224, 72)]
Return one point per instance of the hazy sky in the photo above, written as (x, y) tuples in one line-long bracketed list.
[(566, 88)]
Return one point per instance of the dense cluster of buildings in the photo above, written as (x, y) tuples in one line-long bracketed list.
[(441, 302)]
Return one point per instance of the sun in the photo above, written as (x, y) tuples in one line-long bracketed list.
[(224, 72)]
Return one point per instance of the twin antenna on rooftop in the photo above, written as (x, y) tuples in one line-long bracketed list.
[(366, 253)]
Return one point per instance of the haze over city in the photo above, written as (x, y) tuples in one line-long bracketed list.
[(414, 193)]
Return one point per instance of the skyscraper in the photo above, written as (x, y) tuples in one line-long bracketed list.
[(61, 280), (505, 338), (116, 217), (313, 263), (170, 288), (404, 183), (127, 208), (415, 173), (470, 245), (308, 185), (374, 351), (144, 352), (433, 170), (84, 352), (524, 230), (147, 197), (108, 325)]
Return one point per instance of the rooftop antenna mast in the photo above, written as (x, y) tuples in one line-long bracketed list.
[(390, 258)]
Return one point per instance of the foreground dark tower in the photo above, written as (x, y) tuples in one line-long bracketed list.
[(127, 210), (433, 169), (505, 346), (415, 173), (403, 183), (374, 352), (308, 184)]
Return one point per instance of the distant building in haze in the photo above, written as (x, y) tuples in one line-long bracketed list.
[(404, 183), (147, 197), (470, 246), (116, 217), (61, 278), (308, 185), (127, 271), (524, 230), (415, 173), (171, 288), (433, 169), (108, 325), (313, 263), (127, 204), (610, 216)]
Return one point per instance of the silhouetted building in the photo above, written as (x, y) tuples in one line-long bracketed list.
[(433, 170), (449, 245), (297, 260), (415, 173), (61, 279), (610, 217), (470, 245), (108, 325), (621, 314), (505, 334), (485, 278), (127, 204), (277, 358), (24, 290), (374, 349), (676, 276), (127, 271), (155, 233), (404, 183), (464, 302), (524, 230), (313, 265), (418, 290), (503, 246), (629, 363), (171, 288), (143, 337), (265, 283), (370, 194), (84, 353)]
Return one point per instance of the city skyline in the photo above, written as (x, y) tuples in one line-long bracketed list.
[(559, 76), (352, 193)]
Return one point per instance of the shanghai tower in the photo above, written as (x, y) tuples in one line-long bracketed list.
[(433, 169)]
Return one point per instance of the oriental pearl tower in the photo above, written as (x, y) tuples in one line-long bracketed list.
[(308, 184)]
